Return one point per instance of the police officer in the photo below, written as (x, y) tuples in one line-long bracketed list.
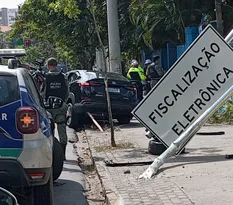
[(136, 74), (147, 82), (56, 85), (154, 71)]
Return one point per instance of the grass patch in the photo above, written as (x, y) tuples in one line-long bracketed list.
[(119, 146)]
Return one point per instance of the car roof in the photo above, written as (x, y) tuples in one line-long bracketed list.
[(89, 75), (5, 70)]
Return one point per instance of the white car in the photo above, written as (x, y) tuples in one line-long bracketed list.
[(30, 156)]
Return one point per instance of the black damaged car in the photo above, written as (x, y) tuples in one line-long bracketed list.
[(87, 94)]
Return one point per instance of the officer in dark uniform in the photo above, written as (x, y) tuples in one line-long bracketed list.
[(154, 72), (56, 85)]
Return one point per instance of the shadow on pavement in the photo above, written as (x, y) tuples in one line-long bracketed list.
[(189, 160), (135, 153), (205, 149), (133, 124), (69, 193), (97, 159)]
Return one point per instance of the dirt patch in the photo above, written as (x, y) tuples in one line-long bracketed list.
[(94, 190), (118, 146)]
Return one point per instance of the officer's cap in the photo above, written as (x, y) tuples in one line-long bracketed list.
[(156, 57), (148, 61)]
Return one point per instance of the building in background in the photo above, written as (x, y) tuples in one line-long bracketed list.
[(4, 17), (8, 16), (12, 16)]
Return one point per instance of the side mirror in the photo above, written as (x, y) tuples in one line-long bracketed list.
[(7, 198), (13, 63)]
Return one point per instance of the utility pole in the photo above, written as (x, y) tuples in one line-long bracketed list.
[(113, 37), (113, 142), (218, 11)]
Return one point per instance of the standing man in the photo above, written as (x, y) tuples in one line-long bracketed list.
[(56, 85), (147, 82), (136, 74), (154, 72)]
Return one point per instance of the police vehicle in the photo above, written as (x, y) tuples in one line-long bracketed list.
[(30, 156)]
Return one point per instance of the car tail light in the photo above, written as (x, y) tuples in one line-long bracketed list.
[(27, 120), (37, 175), (84, 84), (89, 84), (134, 89)]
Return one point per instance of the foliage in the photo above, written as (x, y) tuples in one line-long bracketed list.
[(164, 21), (159, 22), (3, 40), (224, 114), (62, 25), (65, 28)]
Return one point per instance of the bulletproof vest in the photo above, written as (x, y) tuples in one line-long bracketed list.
[(153, 71), (135, 76), (56, 85)]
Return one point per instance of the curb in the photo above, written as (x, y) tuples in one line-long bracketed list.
[(111, 197)]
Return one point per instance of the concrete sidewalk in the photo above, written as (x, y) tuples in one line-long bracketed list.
[(201, 176), (71, 184)]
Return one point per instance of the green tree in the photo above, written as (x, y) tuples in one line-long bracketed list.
[(164, 21), (64, 26)]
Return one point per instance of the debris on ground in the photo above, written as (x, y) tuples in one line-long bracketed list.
[(127, 171)]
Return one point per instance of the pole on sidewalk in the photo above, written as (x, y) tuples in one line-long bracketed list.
[(190, 132), (218, 10), (114, 37)]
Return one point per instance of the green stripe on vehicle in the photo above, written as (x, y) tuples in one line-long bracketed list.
[(10, 153)]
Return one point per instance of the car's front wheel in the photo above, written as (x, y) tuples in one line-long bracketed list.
[(124, 119), (69, 114), (58, 159)]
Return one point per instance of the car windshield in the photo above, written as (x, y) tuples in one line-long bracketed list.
[(9, 90)]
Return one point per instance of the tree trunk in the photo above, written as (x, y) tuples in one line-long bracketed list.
[(113, 143)]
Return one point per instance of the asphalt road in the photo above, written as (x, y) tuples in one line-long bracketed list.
[(68, 189)]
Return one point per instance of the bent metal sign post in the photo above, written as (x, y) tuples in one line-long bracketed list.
[(194, 83)]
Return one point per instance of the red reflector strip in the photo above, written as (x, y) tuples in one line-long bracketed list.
[(37, 176)]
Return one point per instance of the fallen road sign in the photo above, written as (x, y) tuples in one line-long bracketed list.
[(193, 84)]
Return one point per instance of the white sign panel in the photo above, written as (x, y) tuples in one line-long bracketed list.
[(194, 83)]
